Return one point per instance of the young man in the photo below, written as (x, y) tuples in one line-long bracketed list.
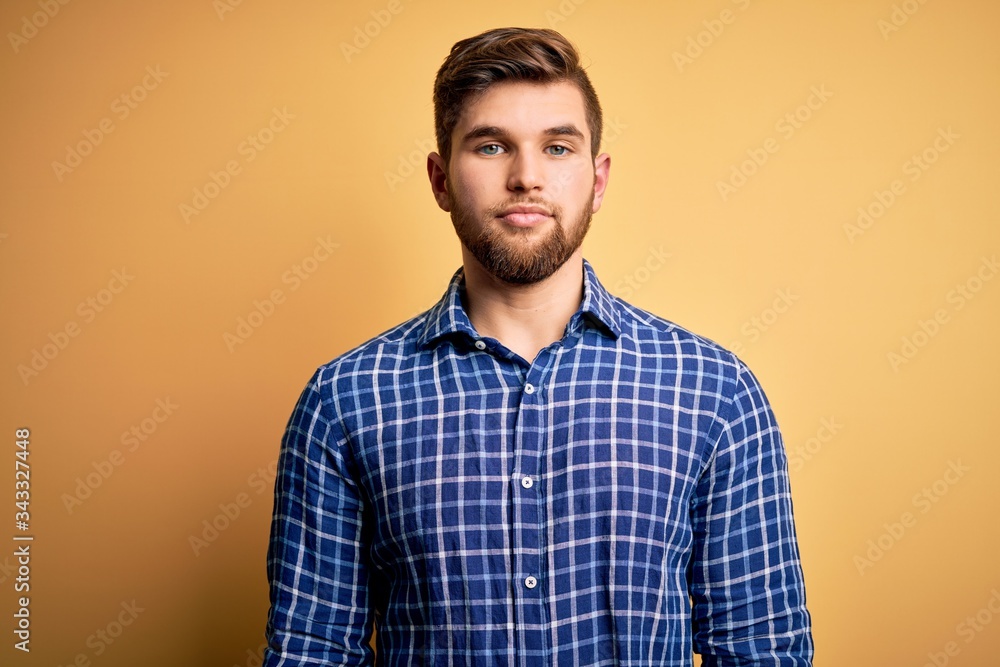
[(532, 472)]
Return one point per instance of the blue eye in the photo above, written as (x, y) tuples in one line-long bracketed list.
[(485, 151), (562, 150)]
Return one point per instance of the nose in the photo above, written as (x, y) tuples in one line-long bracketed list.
[(526, 173)]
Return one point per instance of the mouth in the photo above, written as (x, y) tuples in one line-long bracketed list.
[(524, 216)]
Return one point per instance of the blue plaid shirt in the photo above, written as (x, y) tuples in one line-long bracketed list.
[(622, 499)]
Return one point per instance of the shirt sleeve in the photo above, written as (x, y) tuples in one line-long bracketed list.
[(316, 564), (747, 587)]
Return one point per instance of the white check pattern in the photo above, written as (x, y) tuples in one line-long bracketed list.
[(621, 500)]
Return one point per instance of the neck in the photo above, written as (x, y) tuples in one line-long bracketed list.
[(525, 318)]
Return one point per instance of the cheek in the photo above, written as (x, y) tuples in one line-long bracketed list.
[(473, 188), (576, 189)]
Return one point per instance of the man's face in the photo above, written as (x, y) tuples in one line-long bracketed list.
[(521, 185)]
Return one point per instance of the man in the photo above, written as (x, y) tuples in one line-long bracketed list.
[(532, 472)]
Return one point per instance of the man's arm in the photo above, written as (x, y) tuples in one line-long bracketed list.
[(320, 612), (746, 577)]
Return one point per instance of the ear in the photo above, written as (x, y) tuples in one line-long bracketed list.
[(602, 172), (437, 172)]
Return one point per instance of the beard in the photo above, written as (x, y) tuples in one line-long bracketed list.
[(509, 253)]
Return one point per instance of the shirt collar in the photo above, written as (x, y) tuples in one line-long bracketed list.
[(448, 316)]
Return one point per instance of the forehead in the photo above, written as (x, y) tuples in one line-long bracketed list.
[(525, 107)]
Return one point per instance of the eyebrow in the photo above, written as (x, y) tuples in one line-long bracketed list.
[(482, 131)]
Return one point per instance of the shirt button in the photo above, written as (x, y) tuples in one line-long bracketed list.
[(527, 482), (480, 345), (530, 582), (529, 389)]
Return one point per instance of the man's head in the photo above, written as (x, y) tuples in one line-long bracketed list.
[(531, 55), (518, 125)]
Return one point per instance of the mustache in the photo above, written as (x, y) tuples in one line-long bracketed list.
[(549, 208)]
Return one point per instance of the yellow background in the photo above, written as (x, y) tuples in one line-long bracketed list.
[(339, 169)]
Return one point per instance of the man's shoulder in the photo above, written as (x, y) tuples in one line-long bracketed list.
[(706, 365), (392, 346), (648, 328)]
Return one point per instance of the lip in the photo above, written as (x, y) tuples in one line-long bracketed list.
[(524, 216)]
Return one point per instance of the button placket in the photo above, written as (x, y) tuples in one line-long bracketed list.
[(528, 561)]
